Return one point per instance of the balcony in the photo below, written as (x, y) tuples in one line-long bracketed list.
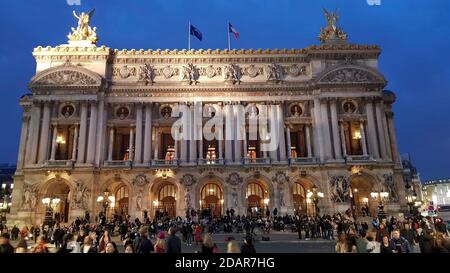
[(164, 162), (257, 161), (118, 164), (60, 163), (217, 161), (302, 160), (358, 158)]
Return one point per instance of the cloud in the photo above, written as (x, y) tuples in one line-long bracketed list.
[(374, 2), (77, 2)]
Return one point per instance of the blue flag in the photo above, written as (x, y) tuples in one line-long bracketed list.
[(194, 31)]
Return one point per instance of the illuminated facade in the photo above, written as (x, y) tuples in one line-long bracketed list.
[(97, 126)]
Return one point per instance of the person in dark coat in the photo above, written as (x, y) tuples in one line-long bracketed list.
[(142, 244), (5, 246), (248, 247), (173, 243), (399, 244)]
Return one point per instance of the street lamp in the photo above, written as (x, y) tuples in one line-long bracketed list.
[(50, 206), (380, 197), (106, 200), (411, 197), (315, 196)]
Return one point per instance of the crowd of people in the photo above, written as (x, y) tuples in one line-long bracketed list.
[(160, 235)]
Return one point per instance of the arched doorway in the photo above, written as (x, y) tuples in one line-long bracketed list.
[(257, 197), (57, 203), (166, 204), (121, 201), (301, 195), (361, 203), (211, 200)]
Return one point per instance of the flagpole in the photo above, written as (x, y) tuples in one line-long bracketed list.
[(189, 35), (228, 35)]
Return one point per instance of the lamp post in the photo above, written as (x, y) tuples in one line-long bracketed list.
[(50, 205), (315, 196), (106, 200), (380, 197), (411, 197)]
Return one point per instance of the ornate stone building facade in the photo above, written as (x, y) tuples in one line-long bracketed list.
[(99, 119)]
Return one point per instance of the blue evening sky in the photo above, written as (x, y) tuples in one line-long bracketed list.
[(414, 36)]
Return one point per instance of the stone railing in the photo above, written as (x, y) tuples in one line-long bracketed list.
[(60, 163), (358, 158), (118, 163), (163, 162), (303, 160), (218, 161), (257, 161)]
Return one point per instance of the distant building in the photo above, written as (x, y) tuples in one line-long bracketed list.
[(6, 185), (412, 177), (437, 191)]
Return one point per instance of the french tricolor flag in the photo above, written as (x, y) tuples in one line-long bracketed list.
[(233, 30)]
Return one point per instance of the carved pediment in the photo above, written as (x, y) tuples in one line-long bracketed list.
[(351, 74), (68, 76)]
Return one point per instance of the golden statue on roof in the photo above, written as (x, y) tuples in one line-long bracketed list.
[(332, 32), (84, 32)]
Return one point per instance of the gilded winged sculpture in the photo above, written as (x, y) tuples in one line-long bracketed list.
[(84, 32), (331, 31)]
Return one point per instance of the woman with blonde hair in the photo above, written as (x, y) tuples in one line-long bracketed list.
[(160, 245), (233, 247), (341, 245), (207, 244)]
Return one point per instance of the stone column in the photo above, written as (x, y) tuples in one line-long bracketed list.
[(289, 145), (75, 142), (344, 147), (273, 131), (221, 133), (192, 141), (177, 135), (335, 129), (55, 135), (200, 142), (245, 143), (33, 134), (23, 143), (308, 140), (363, 137), (381, 135), (386, 136), (372, 133), (148, 134), (83, 131), (111, 144), (229, 132), (131, 154), (138, 150), (92, 134), (100, 143), (326, 128), (282, 148), (43, 141), (237, 142), (393, 137), (319, 147), (156, 155), (185, 129)]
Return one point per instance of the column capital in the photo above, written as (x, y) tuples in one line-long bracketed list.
[(378, 100), (323, 100), (333, 100), (368, 100)]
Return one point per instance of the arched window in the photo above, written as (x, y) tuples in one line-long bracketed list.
[(121, 200), (211, 189), (255, 189), (211, 199), (167, 190), (299, 190)]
